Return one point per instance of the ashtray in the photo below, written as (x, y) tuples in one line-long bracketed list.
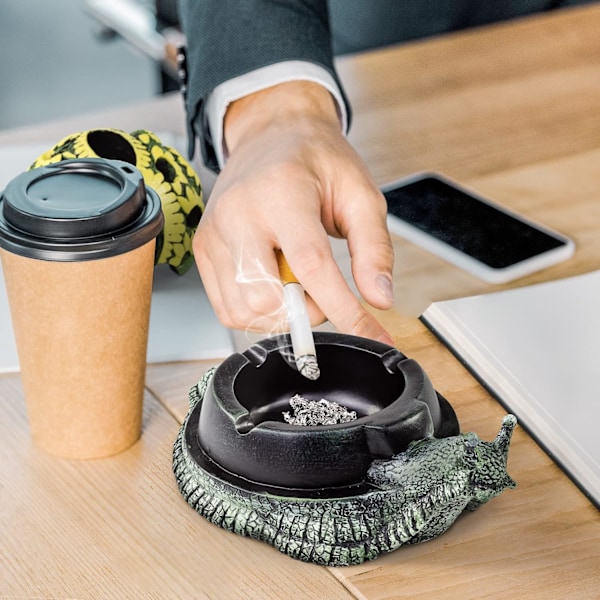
[(240, 424), (332, 493)]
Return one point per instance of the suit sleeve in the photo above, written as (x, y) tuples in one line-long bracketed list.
[(228, 38)]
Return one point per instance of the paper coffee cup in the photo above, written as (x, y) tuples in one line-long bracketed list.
[(77, 242)]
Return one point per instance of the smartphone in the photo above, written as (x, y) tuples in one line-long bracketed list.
[(470, 231)]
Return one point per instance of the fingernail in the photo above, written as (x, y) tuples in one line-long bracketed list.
[(385, 285)]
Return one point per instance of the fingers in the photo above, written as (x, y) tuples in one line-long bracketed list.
[(245, 290), (239, 269), (371, 250), (310, 258), (242, 286), (246, 293)]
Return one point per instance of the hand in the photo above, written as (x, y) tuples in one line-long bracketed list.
[(291, 180)]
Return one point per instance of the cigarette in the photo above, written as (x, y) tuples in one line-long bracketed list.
[(303, 343)]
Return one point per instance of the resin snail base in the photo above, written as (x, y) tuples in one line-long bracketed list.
[(336, 495)]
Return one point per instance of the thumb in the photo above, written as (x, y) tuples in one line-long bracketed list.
[(371, 250)]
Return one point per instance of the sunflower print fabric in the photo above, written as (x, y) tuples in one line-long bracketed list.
[(164, 169)]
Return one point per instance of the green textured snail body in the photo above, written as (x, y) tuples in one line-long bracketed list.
[(164, 169), (412, 497)]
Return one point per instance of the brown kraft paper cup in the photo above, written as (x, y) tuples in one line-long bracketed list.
[(81, 328)]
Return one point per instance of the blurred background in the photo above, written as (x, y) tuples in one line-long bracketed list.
[(55, 63)]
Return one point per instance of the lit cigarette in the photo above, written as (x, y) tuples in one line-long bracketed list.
[(303, 343)]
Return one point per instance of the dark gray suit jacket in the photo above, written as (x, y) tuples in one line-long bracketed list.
[(227, 38)]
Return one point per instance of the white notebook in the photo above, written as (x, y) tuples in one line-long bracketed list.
[(537, 350)]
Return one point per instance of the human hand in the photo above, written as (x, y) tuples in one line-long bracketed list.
[(292, 180)]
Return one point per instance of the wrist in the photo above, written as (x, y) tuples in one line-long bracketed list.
[(290, 102)]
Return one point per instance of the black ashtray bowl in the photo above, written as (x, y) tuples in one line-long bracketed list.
[(238, 433)]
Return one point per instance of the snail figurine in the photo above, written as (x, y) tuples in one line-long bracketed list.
[(411, 497)]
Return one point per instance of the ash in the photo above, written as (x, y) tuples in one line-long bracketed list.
[(317, 412), (308, 367)]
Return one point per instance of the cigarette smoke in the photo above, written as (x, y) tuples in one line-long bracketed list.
[(251, 271)]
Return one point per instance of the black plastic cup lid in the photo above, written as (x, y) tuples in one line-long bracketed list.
[(78, 209)]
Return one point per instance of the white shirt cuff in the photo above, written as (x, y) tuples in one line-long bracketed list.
[(254, 81)]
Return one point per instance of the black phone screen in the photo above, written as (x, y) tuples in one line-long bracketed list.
[(476, 228)]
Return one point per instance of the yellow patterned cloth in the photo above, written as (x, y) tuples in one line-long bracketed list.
[(164, 169)]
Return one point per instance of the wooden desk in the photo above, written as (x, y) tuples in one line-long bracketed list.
[(512, 110)]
